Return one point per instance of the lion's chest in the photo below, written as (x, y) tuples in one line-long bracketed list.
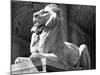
[(50, 41), (46, 42)]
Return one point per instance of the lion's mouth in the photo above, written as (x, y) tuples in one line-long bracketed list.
[(40, 28)]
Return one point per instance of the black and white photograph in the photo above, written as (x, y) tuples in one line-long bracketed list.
[(52, 37)]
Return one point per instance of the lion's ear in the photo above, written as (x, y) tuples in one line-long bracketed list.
[(51, 19)]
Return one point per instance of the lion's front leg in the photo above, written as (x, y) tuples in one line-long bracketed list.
[(41, 57), (43, 60)]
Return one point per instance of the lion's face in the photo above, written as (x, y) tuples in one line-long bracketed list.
[(43, 18), (39, 19)]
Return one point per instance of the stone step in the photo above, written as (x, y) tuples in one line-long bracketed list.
[(25, 67), (31, 67)]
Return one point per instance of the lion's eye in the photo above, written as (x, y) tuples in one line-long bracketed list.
[(45, 12), (36, 15)]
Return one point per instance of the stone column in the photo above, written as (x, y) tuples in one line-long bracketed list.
[(64, 23)]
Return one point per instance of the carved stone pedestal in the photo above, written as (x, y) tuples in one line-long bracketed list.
[(29, 67)]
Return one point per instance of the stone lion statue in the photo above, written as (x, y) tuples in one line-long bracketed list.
[(47, 41)]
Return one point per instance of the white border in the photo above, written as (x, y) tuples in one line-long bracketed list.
[(4, 37), (83, 2), (5, 46)]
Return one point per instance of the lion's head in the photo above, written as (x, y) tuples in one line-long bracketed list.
[(46, 24), (43, 18)]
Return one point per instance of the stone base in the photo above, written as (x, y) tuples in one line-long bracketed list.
[(25, 67), (35, 67)]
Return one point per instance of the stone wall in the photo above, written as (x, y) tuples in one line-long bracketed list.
[(81, 26)]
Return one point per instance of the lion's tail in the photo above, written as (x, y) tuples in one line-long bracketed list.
[(85, 62)]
